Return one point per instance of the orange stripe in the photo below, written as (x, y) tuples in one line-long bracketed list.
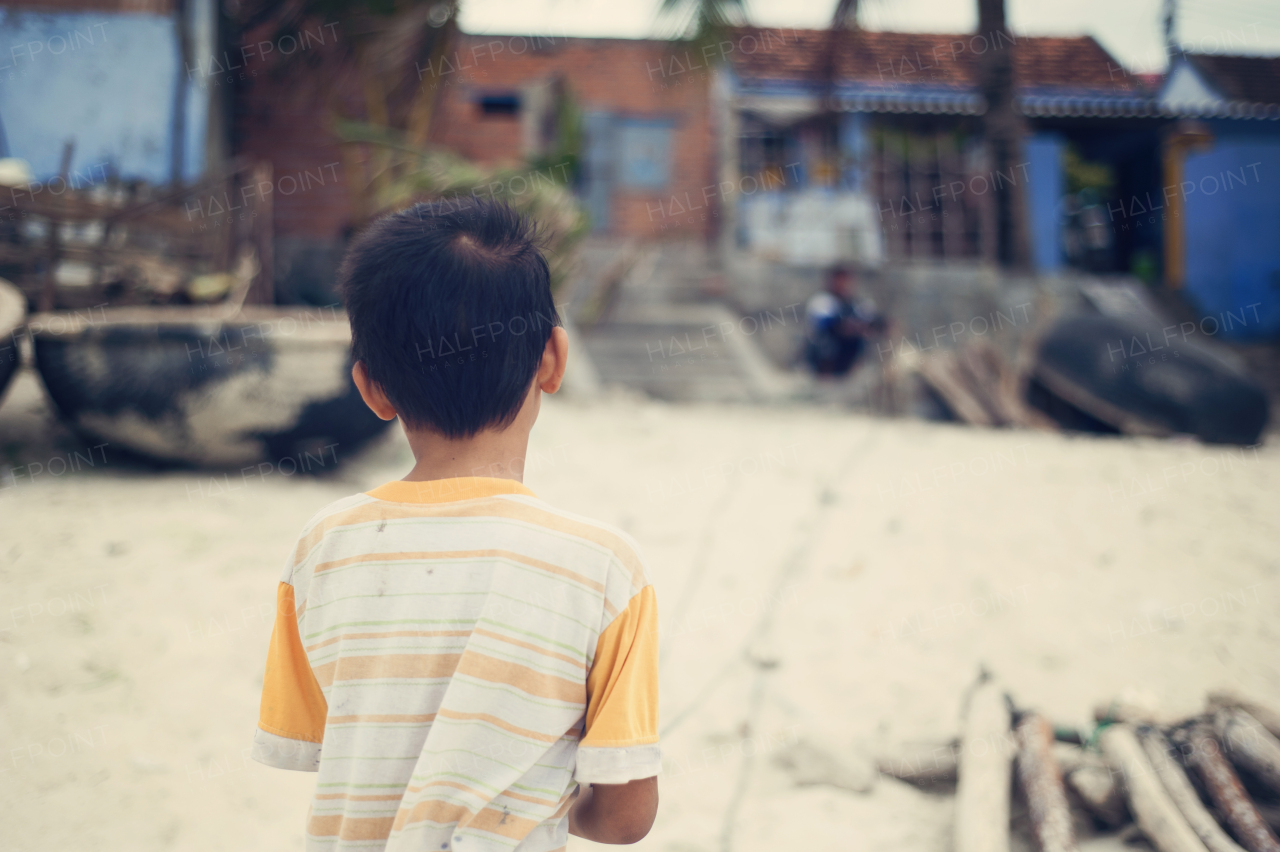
[(521, 677), (485, 796), (350, 828), (494, 508), (487, 553), (463, 787), (390, 634), (386, 665), (499, 821), (448, 490), (532, 647), (432, 809), (494, 720)]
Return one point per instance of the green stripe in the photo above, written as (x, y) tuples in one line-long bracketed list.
[(353, 784), (472, 753), (540, 789), (334, 655), (392, 621), (425, 779), (311, 609), (444, 560), (407, 682), (532, 635)]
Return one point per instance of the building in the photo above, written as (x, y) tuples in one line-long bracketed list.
[(111, 86), (796, 147), (1221, 160)]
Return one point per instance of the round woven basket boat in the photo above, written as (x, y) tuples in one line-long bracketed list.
[(13, 312), (192, 385)]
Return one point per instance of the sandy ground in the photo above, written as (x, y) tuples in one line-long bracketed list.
[(824, 577)]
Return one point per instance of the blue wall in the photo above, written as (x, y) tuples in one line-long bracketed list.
[(1232, 228), (105, 81), (1046, 185)]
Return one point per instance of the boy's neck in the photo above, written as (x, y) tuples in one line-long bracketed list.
[(493, 453)]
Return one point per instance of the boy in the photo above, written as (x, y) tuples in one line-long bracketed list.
[(466, 667)]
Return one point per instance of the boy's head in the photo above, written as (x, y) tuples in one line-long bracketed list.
[(451, 314)]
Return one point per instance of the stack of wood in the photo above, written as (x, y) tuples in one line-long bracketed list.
[(981, 387), (67, 245), (1209, 783)]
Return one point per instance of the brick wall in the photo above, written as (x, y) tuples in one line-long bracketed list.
[(286, 122), (624, 77), (276, 121)]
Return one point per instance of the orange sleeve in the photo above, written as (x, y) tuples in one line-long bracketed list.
[(620, 743), (292, 714)]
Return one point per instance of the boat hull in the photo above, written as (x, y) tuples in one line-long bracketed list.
[(187, 386)]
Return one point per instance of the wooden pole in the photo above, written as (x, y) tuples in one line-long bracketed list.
[(1269, 717), (1155, 813), (1250, 745), (1099, 793), (985, 773), (1041, 780), (1205, 755), (262, 230), (1179, 788)]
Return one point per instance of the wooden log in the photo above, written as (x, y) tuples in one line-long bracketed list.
[(1249, 745), (922, 765), (1099, 794), (1204, 754), (985, 773), (1178, 786), (1268, 716), (943, 373), (1155, 813), (1041, 781), (1126, 711)]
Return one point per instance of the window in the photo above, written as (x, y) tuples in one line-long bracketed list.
[(499, 105), (644, 153)]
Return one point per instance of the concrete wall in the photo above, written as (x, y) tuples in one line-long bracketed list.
[(1232, 229), (105, 81)]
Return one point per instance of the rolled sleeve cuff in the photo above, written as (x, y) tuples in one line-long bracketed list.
[(617, 765), (284, 753)]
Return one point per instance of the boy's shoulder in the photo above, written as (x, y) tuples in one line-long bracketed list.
[(623, 549)]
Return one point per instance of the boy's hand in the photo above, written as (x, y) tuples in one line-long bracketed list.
[(615, 813)]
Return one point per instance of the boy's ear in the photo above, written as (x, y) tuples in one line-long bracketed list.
[(372, 393), (555, 357)]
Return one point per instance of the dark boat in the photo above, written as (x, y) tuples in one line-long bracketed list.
[(1138, 378), (13, 312), (194, 386)]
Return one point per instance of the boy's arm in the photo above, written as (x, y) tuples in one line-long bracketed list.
[(619, 757), (615, 813)]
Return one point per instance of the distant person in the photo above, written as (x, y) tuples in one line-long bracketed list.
[(838, 324), (464, 665)]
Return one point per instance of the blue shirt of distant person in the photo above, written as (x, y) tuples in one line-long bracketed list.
[(838, 324)]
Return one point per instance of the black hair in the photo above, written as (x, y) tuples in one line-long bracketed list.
[(450, 307)]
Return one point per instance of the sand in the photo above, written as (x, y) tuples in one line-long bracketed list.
[(824, 577)]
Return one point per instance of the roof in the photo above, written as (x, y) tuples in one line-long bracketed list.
[(939, 59), (781, 71), (1247, 79)]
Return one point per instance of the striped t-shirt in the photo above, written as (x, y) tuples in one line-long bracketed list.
[(454, 657)]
